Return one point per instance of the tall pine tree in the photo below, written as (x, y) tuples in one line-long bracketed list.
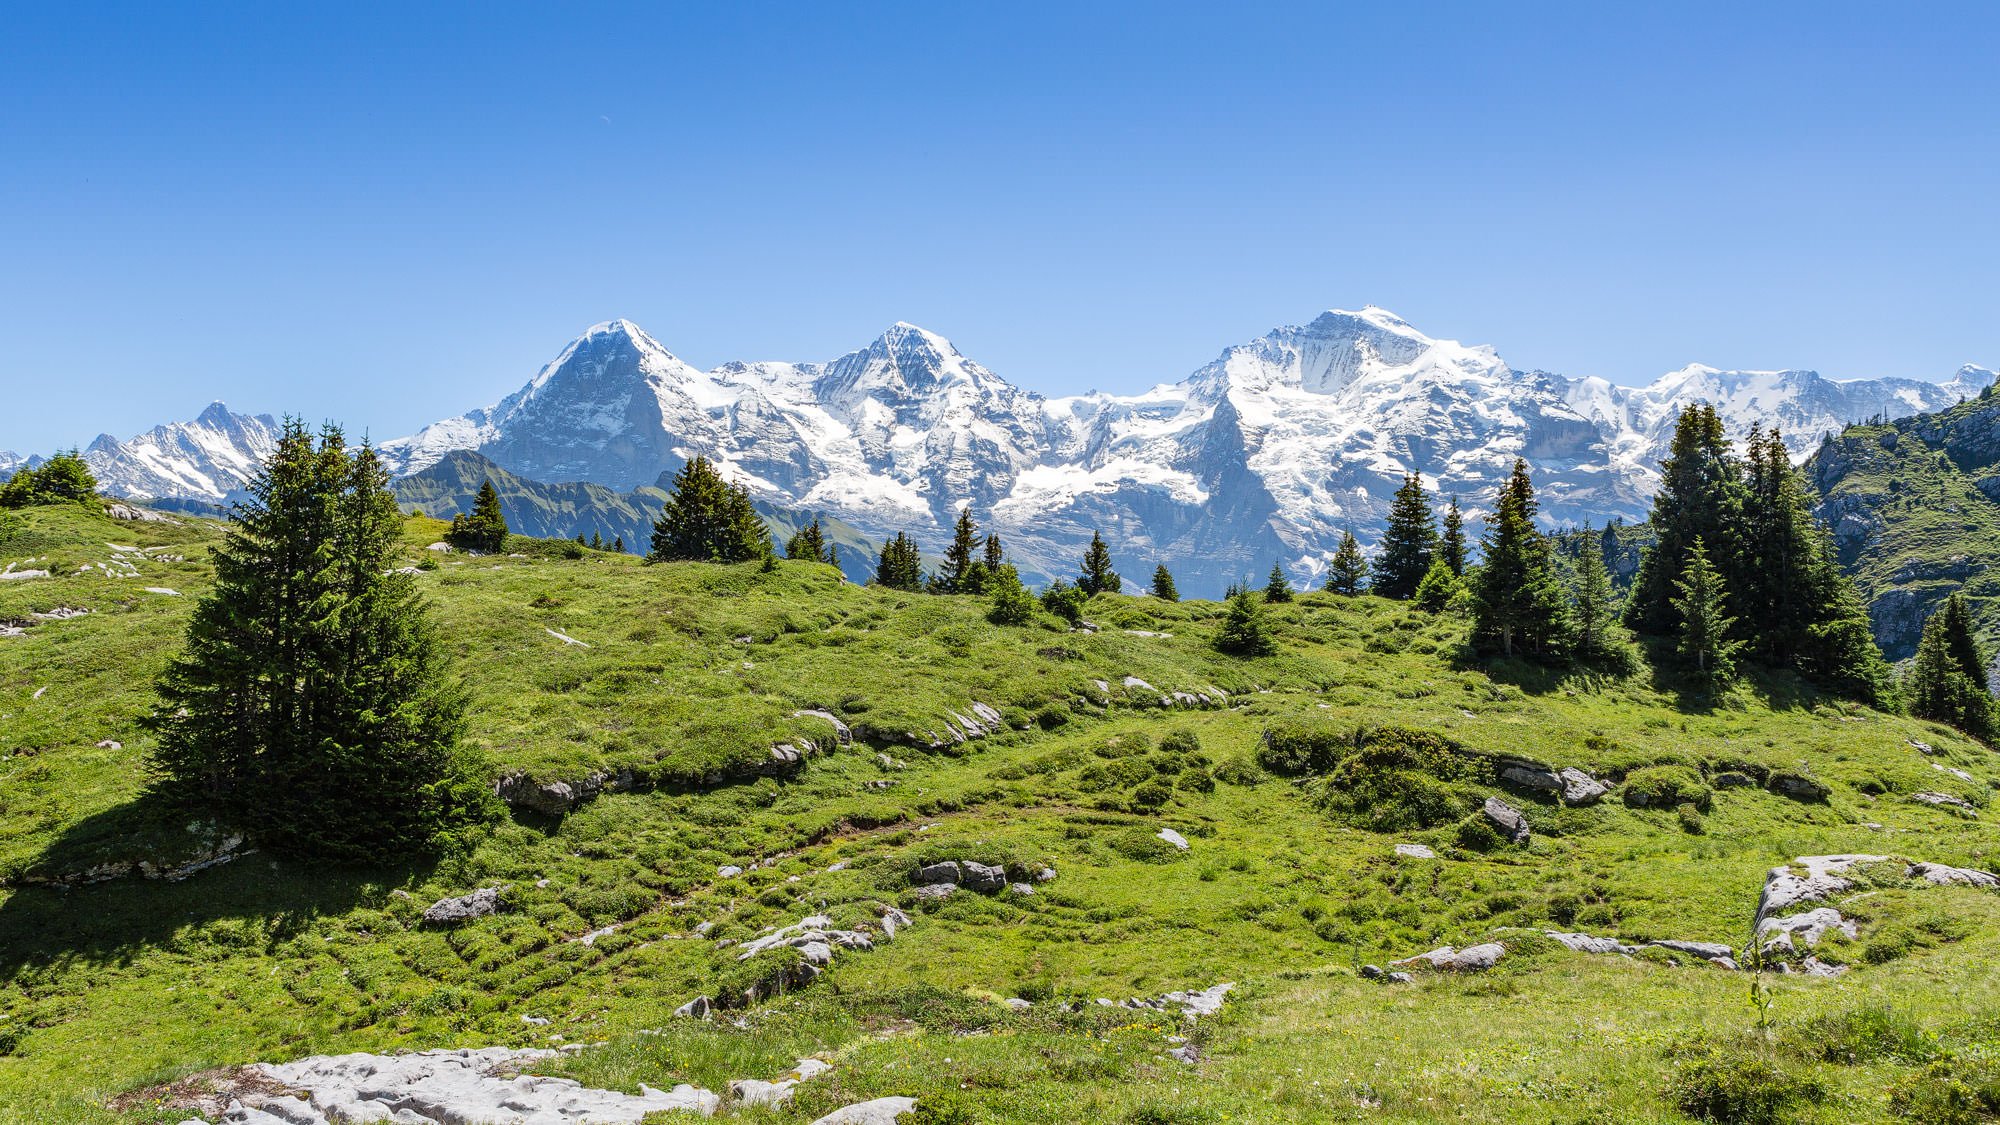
[(810, 544), (1348, 571), (1597, 642), (1518, 606), (996, 555), (1705, 624), (313, 705), (1701, 496), (1451, 547), (1947, 680), (1244, 630), (963, 571), (901, 566), (1277, 588), (1409, 542), (1163, 584), (707, 519), (1098, 577)]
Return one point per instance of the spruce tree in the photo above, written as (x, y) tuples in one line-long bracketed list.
[(596, 541), (707, 519), (901, 566), (1163, 584), (1947, 680), (1349, 570), (1439, 587), (1277, 588), (1244, 631), (1408, 543), (1517, 604), (996, 554), (618, 543), (1597, 641), (1705, 624), (809, 544), (1098, 577), (956, 576), (1701, 496), (1012, 603), (313, 706), (1451, 547)]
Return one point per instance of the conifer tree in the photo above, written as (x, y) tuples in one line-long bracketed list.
[(1439, 587), (1947, 680), (1408, 543), (1277, 588), (618, 543), (313, 706), (1701, 607), (1012, 603), (1517, 604), (1701, 496), (901, 566), (63, 479), (996, 554), (1163, 584), (1451, 547), (809, 544), (1098, 577), (1597, 641), (1065, 601), (1244, 631), (961, 559), (1349, 569), (596, 541), (707, 519)]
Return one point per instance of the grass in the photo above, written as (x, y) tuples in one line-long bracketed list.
[(693, 672)]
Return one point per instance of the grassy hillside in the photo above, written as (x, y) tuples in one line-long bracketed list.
[(1914, 505), (656, 696)]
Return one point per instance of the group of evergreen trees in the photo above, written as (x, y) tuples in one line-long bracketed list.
[(1739, 566), (484, 529), (62, 479), (708, 519), (1947, 680)]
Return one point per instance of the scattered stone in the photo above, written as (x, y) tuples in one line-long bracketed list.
[(1520, 773), (1017, 1004), (1798, 787), (1579, 788), (1923, 747), (1954, 771), (1706, 950), (1045, 874), (163, 591), (879, 783), (696, 1009), (12, 575), (893, 920), (1732, 780), (1020, 889), (1134, 683), (944, 872), (881, 1111), (1474, 958), (1784, 888), (1507, 819), (1372, 972), (842, 733), (535, 1021), (1415, 851), (728, 871), (1947, 801), (110, 744), (1584, 943), (1941, 875), (123, 511), (1809, 927), (564, 637), (464, 908), (937, 890), (549, 798), (981, 877), (1401, 978), (1174, 838)]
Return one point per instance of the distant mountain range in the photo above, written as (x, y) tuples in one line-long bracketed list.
[(1265, 454)]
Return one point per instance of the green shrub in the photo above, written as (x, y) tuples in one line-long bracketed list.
[(1151, 795), (1181, 740), (1476, 834), (1734, 1084), (1863, 1035), (1195, 779), (1300, 747), (947, 1107), (1052, 716), (1142, 845), (1170, 1115), (1690, 818), (1239, 771), (1666, 787), (1957, 1092)]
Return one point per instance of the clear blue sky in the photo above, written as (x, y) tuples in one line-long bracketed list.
[(389, 215)]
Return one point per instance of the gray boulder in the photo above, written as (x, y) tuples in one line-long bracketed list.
[(1579, 788), (697, 1008), (1174, 838), (945, 872), (1942, 875), (464, 908), (1947, 801), (1585, 943), (1507, 819), (1706, 950), (981, 877), (937, 890), (881, 1111), (1519, 773), (1471, 959), (1798, 787)]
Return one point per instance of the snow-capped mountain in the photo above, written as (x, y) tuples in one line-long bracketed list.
[(10, 462), (207, 459), (1267, 453)]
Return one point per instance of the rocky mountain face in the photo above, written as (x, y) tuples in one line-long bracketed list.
[(208, 459), (1265, 454), (1914, 505)]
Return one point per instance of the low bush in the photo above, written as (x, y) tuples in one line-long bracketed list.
[(1666, 787), (1862, 1035), (1957, 1092), (1736, 1084)]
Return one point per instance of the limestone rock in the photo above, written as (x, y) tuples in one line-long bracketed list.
[(1798, 787), (1706, 950), (464, 908), (1473, 958), (1785, 888), (881, 1111), (1940, 874), (1415, 851), (1519, 773), (937, 890), (945, 872), (697, 1008), (1947, 801), (1579, 788), (1584, 943), (842, 734), (1174, 838), (1507, 819), (1783, 935), (1021, 889)]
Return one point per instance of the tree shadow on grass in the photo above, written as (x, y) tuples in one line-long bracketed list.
[(112, 922)]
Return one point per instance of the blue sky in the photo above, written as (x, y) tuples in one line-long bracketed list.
[(384, 217)]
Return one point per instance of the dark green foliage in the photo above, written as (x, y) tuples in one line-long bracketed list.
[(1947, 680), (1163, 584), (1597, 642), (1451, 547), (1277, 588), (313, 706), (62, 479), (1665, 787), (1862, 1035), (1098, 577), (1012, 603), (1738, 1084), (1244, 631), (1065, 601), (1701, 496), (484, 529), (1349, 570), (901, 566), (1409, 543), (1704, 623), (810, 544), (996, 554), (1949, 1092), (1517, 604), (1299, 747), (707, 519), (1440, 587), (1400, 780), (963, 571)]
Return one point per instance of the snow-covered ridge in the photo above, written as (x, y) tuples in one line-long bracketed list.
[(1266, 453)]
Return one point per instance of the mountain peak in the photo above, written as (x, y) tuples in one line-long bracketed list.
[(216, 414)]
